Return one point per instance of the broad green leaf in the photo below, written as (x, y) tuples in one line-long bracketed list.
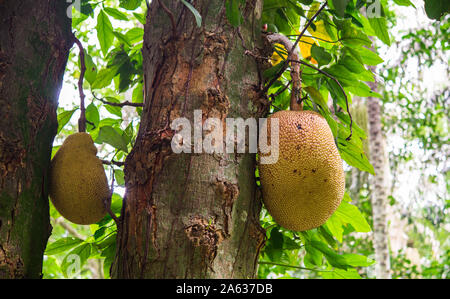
[(62, 245), (140, 17), (334, 225), (135, 35), (435, 9), (138, 94), (349, 213), (119, 176), (91, 69), (122, 38), (92, 116), (313, 256), (322, 56), (362, 90), (335, 259), (233, 13), (104, 77), (110, 136), (316, 96), (404, 3), (357, 260), (354, 156), (350, 273), (105, 31), (198, 17), (369, 57), (116, 14), (130, 4), (379, 25), (351, 64), (339, 6), (113, 109), (75, 259), (64, 118)]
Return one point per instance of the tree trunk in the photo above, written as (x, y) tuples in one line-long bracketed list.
[(192, 215), (35, 38), (379, 188)]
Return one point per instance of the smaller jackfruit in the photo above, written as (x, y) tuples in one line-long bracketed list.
[(78, 183)]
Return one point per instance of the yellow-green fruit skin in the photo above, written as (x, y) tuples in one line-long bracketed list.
[(78, 183), (306, 185)]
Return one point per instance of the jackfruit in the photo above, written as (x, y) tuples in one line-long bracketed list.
[(304, 187), (78, 183)]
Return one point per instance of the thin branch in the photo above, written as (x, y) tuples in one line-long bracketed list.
[(122, 104), (340, 86), (82, 119), (107, 202), (292, 266)]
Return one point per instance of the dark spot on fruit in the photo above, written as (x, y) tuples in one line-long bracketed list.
[(299, 126), (295, 170), (313, 170), (297, 147), (325, 180)]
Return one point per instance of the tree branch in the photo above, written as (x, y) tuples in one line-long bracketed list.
[(122, 104)]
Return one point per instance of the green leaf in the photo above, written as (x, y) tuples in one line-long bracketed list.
[(91, 69), (122, 38), (104, 77), (435, 9), (362, 90), (92, 116), (116, 14), (369, 57), (74, 260), (233, 13), (119, 176), (334, 225), (404, 3), (198, 17), (138, 94), (354, 156), (339, 6), (105, 31), (352, 64), (349, 213), (380, 27), (140, 17), (110, 136), (350, 273), (332, 257), (135, 35), (64, 118), (116, 110), (130, 4), (357, 260), (62, 245), (316, 96), (320, 54)]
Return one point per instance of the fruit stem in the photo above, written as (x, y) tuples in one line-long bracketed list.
[(293, 57)]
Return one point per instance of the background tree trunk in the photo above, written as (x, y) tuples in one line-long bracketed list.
[(378, 187), (192, 215), (35, 38)]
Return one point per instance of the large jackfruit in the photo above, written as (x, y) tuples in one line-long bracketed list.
[(78, 183), (306, 185)]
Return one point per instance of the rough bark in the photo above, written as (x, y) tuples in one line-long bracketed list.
[(35, 39), (192, 215), (378, 188)]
